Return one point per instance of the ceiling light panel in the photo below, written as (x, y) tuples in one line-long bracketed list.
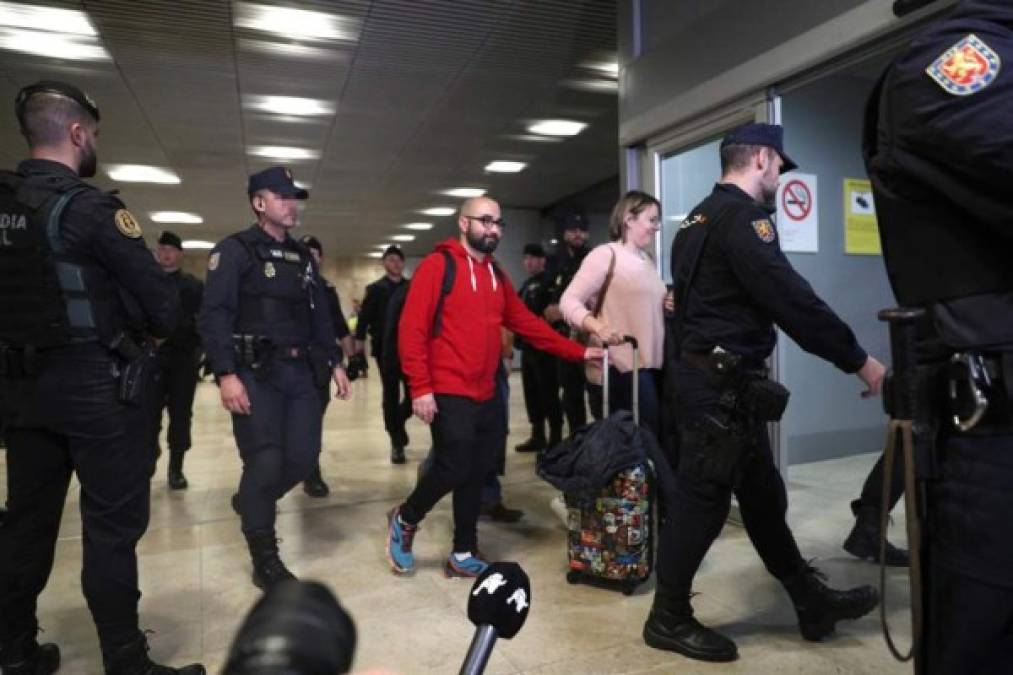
[(182, 217), (421, 227), (198, 244), (375, 254), (289, 105), (465, 193), (439, 211), (557, 127), (297, 24), (50, 32), (286, 152), (141, 173), (403, 237), (501, 166)]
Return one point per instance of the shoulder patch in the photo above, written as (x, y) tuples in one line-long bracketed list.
[(213, 260), (689, 222), (966, 68), (764, 230), (127, 225)]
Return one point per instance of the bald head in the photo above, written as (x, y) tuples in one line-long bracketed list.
[(481, 224), (476, 206)]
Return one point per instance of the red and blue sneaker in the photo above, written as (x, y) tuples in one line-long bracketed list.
[(399, 542)]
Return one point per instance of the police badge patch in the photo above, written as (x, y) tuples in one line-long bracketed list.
[(127, 225), (764, 230), (966, 68), (269, 270), (213, 261)]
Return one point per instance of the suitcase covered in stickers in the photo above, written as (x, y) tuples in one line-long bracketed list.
[(611, 541)]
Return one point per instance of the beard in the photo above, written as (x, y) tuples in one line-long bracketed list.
[(89, 163), (483, 243), (768, 197)]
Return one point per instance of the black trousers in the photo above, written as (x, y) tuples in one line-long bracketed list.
[(872, 490), (572, 380), (69, 421), (175, 391), (701, 506), (466, 437), (279, 441), (397, 405), (540, 380)]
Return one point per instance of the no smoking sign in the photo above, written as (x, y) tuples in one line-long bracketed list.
[(797, 214)]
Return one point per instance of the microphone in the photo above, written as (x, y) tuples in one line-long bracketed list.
[(498, 605), (297, 627)]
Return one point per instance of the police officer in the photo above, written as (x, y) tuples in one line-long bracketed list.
[(178, 359), (572, 376), (397, 407), (79, 292), (267, 330), (539, 370), (939, 151), (732, 284), (315, 486)]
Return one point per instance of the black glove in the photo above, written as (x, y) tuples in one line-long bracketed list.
[(357, 366)]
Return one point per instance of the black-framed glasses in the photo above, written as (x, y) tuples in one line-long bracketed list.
[(488, 221)]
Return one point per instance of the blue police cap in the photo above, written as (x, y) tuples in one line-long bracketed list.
[(277, 179), (758, 133)]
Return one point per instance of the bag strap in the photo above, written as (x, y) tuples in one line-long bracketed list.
[(449, 273), (599, 302)]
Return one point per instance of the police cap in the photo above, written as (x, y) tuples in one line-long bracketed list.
[(309, 241), (534, 250), (54, 87), (574, 220), (758, 133), (277, 179), (170, 239)]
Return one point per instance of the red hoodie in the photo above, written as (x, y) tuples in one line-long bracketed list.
[(463, 359)]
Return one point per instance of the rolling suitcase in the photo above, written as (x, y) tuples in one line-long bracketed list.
[(612, 542)]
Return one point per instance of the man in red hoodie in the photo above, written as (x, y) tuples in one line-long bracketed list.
[(450, 347)]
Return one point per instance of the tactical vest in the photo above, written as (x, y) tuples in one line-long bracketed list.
[(275, 298), (43, 297)]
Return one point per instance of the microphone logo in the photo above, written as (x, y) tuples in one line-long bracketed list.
[(519, 599), (490, 584)]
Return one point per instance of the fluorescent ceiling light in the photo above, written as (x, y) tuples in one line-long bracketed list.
[(557, 127), (198, 244), (375, 254), (439, 211), (384, 246), (465, 193), (289, 49), (183, 217), (610, 68), (501, 166), (533, 138), (296, 24), (282, 152), (141, 173), (403, 237), (553, 241), (289, 105), (49, 19), (52, 45), (601, 85), (418, 226)]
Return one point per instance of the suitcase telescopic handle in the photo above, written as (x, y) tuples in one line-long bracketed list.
[(632, 341)]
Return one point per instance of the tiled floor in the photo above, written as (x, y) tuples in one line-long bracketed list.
[(194, 568)]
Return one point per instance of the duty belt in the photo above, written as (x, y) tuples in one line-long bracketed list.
[(291, 353), (978, 389)]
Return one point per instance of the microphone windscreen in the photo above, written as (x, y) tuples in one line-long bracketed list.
[(501, 598), (297, 626)]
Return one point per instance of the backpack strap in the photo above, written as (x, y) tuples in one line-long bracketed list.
[(449, 274)]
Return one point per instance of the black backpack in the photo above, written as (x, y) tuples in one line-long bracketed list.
[(390, 361)]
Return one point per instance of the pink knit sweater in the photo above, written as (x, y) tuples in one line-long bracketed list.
[(634, 302)]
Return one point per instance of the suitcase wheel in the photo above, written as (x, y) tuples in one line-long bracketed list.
[(573, 576)]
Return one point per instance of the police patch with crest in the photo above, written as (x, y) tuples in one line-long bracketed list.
[(764, 230), (127, 224), (966, 68), (213, 261)]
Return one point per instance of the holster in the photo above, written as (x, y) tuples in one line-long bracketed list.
[(253, 352), (763, 400), (139, 366)]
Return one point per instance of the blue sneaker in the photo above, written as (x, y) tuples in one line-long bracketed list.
[(399, 543), (470, 567)]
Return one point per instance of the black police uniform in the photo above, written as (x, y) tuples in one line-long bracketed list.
[(61, 391), (178, 365), (572, 377), (397, 406), (939, 150), (732, 283), (539, 371), (265, 318)]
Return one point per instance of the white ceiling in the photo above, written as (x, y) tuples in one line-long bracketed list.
[(427, 92)]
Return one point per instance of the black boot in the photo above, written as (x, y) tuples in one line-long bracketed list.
[(132, 659), (671, 626), (397, 455), (501, 513), (819, 607), (177, 481), (23, 655), (534, 444), (555, 436), (315, 486), (268, 569), (863, 542)]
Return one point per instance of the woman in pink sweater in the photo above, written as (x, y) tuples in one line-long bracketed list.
[(633, 305)]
